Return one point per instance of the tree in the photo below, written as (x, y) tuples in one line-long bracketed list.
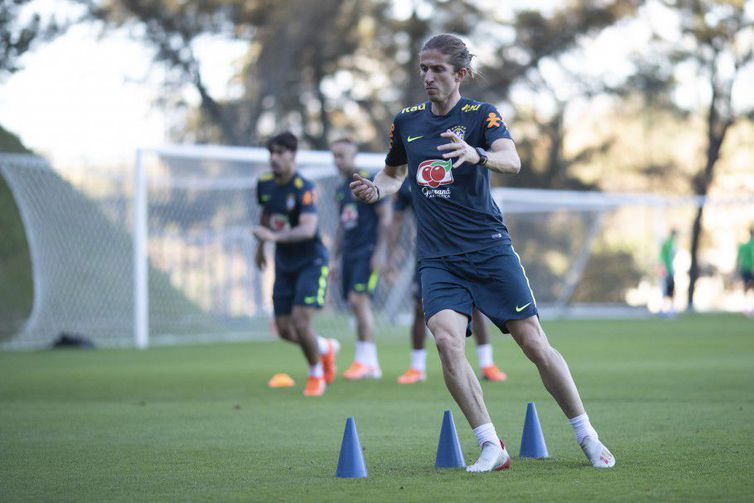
[(337, 66), (172, 28), (540, 59), (716, 38), (19, 35)]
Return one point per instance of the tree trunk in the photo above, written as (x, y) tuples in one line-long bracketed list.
[(717, 127), (696, 232)]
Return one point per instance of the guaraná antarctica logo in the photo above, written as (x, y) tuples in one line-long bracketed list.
[(434, 172)]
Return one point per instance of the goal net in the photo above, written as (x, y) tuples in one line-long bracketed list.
[(163, 253)]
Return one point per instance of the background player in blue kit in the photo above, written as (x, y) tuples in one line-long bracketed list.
[(417, 371), (359, 255), (447, 147), (289, 219)]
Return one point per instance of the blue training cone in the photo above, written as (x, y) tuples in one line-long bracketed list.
[(351, 461), (532, 440), (449, 453)]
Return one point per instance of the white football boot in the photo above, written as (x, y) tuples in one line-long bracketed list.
[(493, 458), (597, 453)]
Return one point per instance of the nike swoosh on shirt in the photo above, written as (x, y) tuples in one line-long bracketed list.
[(519, 309), (412, 138)]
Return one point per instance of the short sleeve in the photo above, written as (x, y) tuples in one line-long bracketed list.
[(308, 198), (396, 155), (493, 126), (259, 193)]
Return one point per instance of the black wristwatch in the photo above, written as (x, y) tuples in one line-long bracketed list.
[(482, 156)]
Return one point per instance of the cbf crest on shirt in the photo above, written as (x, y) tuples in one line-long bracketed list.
[(454, 207), (284, 204)]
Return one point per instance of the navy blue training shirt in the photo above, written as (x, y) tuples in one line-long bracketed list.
[(284, 204), (359, 220), (454, 208), (402, 199)]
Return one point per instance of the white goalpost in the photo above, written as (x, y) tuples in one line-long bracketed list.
[(162, 253)]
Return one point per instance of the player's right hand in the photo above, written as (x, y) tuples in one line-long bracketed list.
[(260, 260), (364, 189)]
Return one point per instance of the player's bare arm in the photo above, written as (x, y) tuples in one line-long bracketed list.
[(259, 258), (501, 158), (386, 183), (385, 215), (337, 250), (306, 229), (396, 227)]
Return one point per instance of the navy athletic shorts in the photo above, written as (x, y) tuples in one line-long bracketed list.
[(357, 275), (304, 287), (492, 280), (747, 276)]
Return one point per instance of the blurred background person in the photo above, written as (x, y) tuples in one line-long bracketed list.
[(289, 220), (745, 268), (359, 257), (667, 274)]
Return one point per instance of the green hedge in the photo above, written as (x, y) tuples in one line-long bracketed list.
[(16, 284)]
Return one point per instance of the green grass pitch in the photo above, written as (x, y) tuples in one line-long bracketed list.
[(674, 401)]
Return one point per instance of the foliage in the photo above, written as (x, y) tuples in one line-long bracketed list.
[(19, 35), (16, 285), (717, 41), (609, 274), (345, 67)]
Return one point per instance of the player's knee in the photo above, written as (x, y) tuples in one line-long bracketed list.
[(285, 332), (535, 348), (300, 321), (533, 341), (448, 344), (358, 302)]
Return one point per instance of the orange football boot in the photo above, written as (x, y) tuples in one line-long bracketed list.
[(315, 386), (328, 360), (412, 376), (492, 373), (358, 371)]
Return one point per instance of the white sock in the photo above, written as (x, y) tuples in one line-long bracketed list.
[(582, 427), (484, 354), (360, 356), (371, 350), (316, 370), (322, 344), (419, 359), (486, 433)]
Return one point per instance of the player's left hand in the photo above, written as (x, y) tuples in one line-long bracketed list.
[(264, 234), (458, 149)]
